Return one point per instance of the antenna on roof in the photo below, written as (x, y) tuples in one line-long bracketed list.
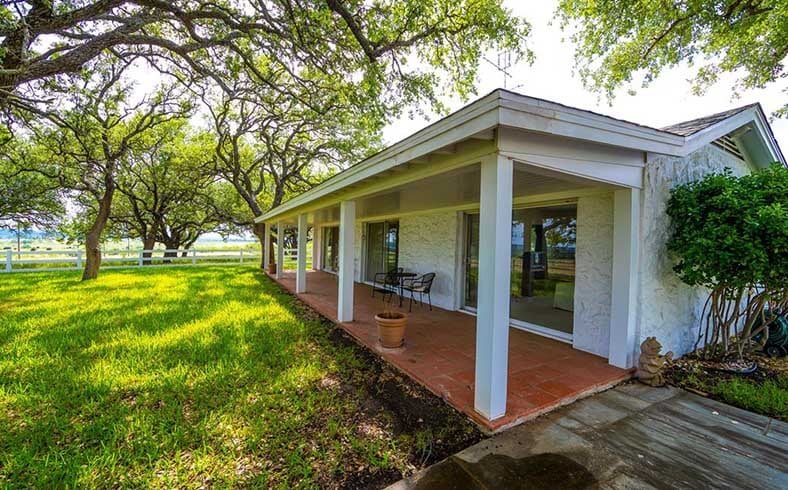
[(503, 65)]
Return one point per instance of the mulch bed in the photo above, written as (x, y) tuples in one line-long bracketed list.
[(404, 408), (712, 371), (697, 375)]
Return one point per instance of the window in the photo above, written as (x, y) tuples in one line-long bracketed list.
[(542, 265)]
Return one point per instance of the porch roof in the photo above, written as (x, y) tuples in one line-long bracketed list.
[(477, 123)]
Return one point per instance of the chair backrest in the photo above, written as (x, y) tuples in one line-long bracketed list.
[(426, 281)]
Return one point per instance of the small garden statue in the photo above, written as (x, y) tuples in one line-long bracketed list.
[(651, 365)]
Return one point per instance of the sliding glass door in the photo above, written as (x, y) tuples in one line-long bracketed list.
[(542, 266), (382, 246), (330, 241)]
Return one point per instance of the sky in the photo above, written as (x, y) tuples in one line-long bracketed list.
[(666, 101)]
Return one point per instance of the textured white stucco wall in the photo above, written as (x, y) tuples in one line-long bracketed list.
[(593, 274), (669, 309), (428, 243)]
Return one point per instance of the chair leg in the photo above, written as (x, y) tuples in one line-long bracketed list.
[(429, 298), (410, 302)]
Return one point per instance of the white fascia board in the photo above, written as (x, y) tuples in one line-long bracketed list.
[(503, 108), (608, 173), (479, 116), (768, 137), (752, 116), (707, 135), (546, 117)]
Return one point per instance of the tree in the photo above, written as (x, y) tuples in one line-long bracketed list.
[(269, 145), (26, 198), (168, 188), (730, 235), (370, 52), (620, 40), (88, 137)]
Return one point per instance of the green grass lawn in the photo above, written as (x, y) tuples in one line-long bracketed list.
[(192, 377)]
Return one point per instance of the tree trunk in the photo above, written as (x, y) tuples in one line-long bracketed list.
[(259, 231), (147, 244), (93, 236), (171, 245)]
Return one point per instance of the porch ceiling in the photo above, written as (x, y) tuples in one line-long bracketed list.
[(460, 188)]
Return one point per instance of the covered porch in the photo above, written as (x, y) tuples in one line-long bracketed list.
[(440, 353), (529, 220)]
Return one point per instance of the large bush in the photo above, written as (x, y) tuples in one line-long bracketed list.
[(730, 235)]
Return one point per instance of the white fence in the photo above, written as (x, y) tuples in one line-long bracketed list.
[(58, 260)]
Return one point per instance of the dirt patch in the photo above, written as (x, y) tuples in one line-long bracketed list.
[(392, 408), (689, 366), (408, 407)]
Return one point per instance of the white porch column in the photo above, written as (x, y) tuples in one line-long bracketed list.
[(301, 259), (315, 246), (492, 319), (347, 234), (280, 249), (266, 244), (626, 251)]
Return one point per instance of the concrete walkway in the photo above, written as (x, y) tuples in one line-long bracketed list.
[(631, 436)]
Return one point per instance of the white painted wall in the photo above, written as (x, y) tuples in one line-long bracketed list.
[(593, 274), (428, 243), (669, 309)]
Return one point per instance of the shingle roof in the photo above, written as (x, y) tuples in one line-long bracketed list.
[(687, 128)]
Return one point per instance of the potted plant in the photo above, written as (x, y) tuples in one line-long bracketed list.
[(391, 326)]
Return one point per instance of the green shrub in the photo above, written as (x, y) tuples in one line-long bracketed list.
[(730, 234)]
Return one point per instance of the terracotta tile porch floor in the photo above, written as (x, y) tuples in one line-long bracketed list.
[(440, 348)]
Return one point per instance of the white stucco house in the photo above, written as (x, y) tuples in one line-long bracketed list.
[(532, 214)]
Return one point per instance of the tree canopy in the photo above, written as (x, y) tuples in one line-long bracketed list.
[(618, 42), (382, 54), (290, 90)]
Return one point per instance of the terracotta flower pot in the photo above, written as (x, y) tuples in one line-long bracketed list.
[(272, 268), (391, 329)]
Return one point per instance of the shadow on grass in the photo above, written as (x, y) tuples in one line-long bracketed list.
[(198, 376)]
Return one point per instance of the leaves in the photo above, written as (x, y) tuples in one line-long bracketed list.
[(732, 230), (618, 42)]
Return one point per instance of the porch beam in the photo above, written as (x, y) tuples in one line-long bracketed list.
[(280, 249), (626, 253), (266, 245), (301, 257), (492, 320), (347, 234)]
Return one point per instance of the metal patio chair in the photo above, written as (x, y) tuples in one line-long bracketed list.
[(387, 282), (421, 285)]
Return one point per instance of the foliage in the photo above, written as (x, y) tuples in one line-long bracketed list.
[(732, 230), (769, 398), (28, 198), (178, 377), (85, 140), (620, 40), (380, 55), (168, 188), (730, 235)]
